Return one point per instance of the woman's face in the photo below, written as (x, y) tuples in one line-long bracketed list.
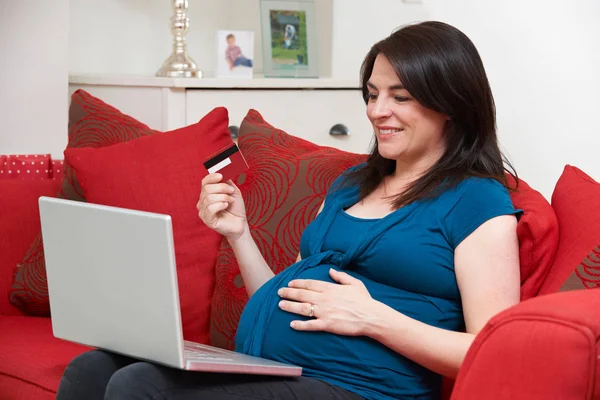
[(405, 130)]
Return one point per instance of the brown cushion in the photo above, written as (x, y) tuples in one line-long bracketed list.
[(283, 190)]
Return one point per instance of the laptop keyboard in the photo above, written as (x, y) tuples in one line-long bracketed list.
[(200, 357), (197, 352), (195, 355)]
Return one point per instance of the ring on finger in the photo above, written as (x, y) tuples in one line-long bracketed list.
[(311, 311)]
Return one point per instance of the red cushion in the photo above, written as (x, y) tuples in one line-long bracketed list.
[(33, 360), (537, 231), (20, 223), (543, 348), (26, 166), (576, 201), (282, 190), (162, 173)]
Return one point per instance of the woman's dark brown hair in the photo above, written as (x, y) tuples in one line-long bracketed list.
[(441, 68)]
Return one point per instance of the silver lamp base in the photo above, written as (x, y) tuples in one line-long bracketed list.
[(179, 64)]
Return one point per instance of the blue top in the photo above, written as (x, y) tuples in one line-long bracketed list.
[(405, 260)]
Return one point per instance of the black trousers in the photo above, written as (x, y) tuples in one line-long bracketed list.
[(103, 375)]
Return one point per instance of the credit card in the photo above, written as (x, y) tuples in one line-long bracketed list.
[(228, 162)]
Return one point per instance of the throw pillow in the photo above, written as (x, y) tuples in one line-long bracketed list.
[(283, 190), (92, 123), (537, 231), (20, 222), (576, 201), (162, 173)]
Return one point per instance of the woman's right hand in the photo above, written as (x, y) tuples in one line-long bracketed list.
[(221, 207)]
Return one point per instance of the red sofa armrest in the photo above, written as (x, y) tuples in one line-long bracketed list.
[(544, 348)]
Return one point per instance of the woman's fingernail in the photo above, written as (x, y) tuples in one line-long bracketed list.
[(281, 304), (280, 292)]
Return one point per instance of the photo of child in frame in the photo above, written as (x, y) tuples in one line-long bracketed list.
[(235, 52)]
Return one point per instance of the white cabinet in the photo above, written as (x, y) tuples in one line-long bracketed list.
[(309, 114), (307, 108)]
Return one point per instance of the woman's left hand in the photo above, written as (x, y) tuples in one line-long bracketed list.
[(343, 308)]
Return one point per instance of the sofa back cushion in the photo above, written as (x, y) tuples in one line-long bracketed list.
[(576, 201), (20, 224), (26, 166), (283, 190), (92, 123), (162, 173)]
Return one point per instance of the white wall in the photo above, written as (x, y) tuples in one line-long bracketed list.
[(357, 25), (543, 63), (33, 76)]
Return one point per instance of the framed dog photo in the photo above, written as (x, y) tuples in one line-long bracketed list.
[(235, 54), (289, 38)]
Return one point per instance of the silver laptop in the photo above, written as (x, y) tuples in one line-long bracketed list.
[(112, 284)]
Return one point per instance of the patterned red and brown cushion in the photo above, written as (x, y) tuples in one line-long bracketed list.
[(576, 201), (587, 273), (283, 190), (92, 123)]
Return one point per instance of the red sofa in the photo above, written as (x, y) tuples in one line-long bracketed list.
[(543, 348)]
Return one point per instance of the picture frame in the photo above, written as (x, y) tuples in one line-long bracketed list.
[(289, 38), (235, 54)]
